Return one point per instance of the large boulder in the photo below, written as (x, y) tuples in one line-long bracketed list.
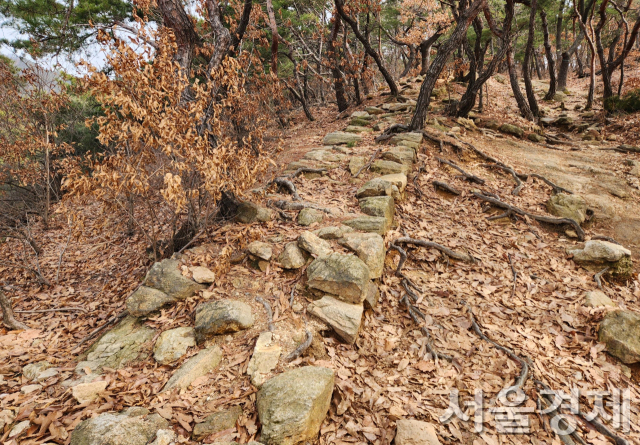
[(222, 317), (415, 432), (293, 405), (133, 426), (620, 332), (595, 255), (373, 224), (345, 276), (339, 137), (216, 422), (197, 366), (167, 277), (173, 344), (122, 345), (146, 300), (313, 244), (343, 318), (568, 206), (369, 247), (382, 206), (292, 257)]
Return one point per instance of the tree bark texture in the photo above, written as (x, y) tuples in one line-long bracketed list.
[(550, 60), (528, 53)]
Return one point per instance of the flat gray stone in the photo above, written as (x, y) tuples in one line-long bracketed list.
[(332, 232), (133, 426), (118, 347), (323, 155), (222, 317), (596, 255), (374, 224), (401, 155), (216, 422), (382, 206), (260, 250), (200, 364), (293, 405), (249, 212), (620, 332), (264, 359), (384, 167), (146, 300), (343, 318), (167, 277), (375, 187), (563, 205), (313, 244), (370, 249), (292, 257), (308, 216), (339, 138), (173, 344), (345, 276)]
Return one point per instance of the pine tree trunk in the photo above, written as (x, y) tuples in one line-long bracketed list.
[(513, 78), (549, 54), (338, 83), (528, 53)]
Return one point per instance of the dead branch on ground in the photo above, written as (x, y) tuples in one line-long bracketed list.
[(515, 275), (290, 186), (539, 218), (369, 162), (605, 238), (446, 187), (430, 245), (267, 308), (8, 319), (597, 277), (305, 170), (300, 349)]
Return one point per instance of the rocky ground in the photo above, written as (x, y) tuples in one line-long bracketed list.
[(319, 330)]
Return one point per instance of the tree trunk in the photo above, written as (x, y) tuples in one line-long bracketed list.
[(341, 98), (367, 47), (559, 30), (563, 71), (8, 318), (585, 27), (549, 54), (425, 51), (176, 18), (528, 53), (513, 78), (445, 50), (411, 60), (274, 37)]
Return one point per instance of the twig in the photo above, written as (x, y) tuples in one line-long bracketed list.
[(598, 276), (467, 176), (540, 218), (300, 349), (369, 162), (556, 188), (446, 187), (606, 238), (524, 371), (515, 275), (510, 170), (60, 309), (305, 170), (267, 308), (36, 273), (62, 253), (93, 333), (284, 182), (429, 244)]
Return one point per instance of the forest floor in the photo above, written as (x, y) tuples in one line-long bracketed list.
[(387, 374)]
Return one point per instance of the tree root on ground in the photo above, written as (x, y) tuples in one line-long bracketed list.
[(305, 170), (290, 186), (597, 277), (369, 162), (446, 187), (605, 238), (540, 218), (467, 176), (267, 308), (287, 205), (524, 371), (514, 175), (429, 245), (556, 188), (8, 319), (300, 349)]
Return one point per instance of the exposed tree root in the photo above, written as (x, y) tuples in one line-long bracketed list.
[(540, 218), (369, 162), (514, 175), (415, 181), (467, 176), (267, 308), (8, 318), (290, 186), (556, 188), (300, 349), (606, 238), (524, 371), (446, 187), (429, 245), (59, 309), (305, 170), (287, 205), (597, 277), (623, 149)]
